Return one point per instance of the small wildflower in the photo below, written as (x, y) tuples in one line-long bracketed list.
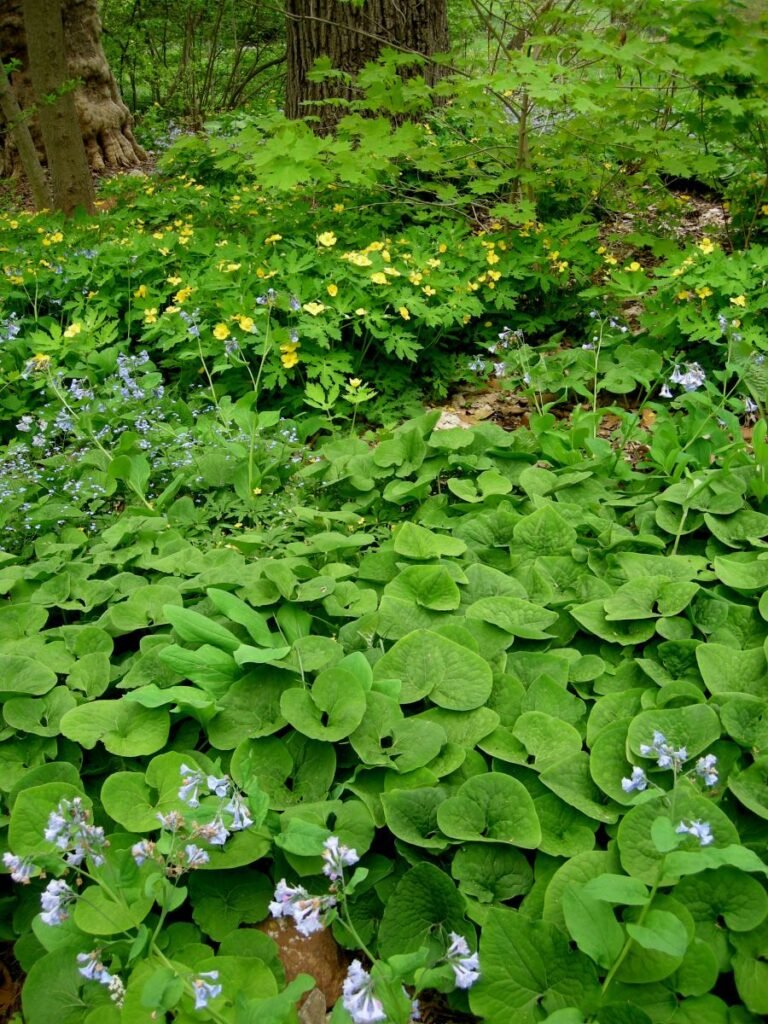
[(355, 382), (637, 782), (204, 990), (221, 332), (289, 360), (379, 278), (56, 896), (693, 378), (665, 392), (150, 315), (707, 246), (634, 266), (358, 998), (214, 833), (219, 787), (21, 868), (337, 857), (466, 965), (327, 238), (141, 292), (191, 781), (73, 330), (738, 300), (237, 806), (704, 292), (663, 752), (142, 851), (313, 308), (172, 821), (700, 830), (93, 969), (706, 769), (196, 857), (272, 239), (295, 902), (333, 290), (404, 313)]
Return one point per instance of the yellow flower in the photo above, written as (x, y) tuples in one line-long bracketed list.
[(173, 280), (704, 292), (492, 258), (313, 308), (163, 251), (739, 300), (442, 247), (338, 207), (374, 247), (763, 210), (434, 264), (158, 235), (182, 295), (683, 295), (359, 259), (171, 309), (707, 246), (245, 322), (232, 267), (39, 363), (150, 315), (289, 359), (601, 249), (361, 311), (403, 311), (355, 382), (634, 266), (415, 277), (379, 278), (333, 290), (141, 292), (257, 491), (73, 330), (611, 260), (289, 346), (273, 238), (221, 332), (327, 239), (562, 266), (429, 291), (391, 271)]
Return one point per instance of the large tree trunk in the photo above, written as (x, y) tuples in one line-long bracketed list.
[(351, 36), (71, 182), (105, 120)]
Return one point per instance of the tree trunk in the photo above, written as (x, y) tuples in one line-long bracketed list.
[(105, 121), (351, 36), (22, 137), (71, 182)]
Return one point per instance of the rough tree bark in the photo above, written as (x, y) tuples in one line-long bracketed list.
[(22, 137), (351, 35), (105, 120), (71, 182)]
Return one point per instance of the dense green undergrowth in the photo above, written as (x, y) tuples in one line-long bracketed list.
[(449, 659), (489, 705)]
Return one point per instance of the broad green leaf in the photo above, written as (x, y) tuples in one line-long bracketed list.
[(250, 708), (196, 628), (592, 926), (491, 808), (40, 716), (750, 786), (30, 814), (411, 815), (416, 542), (329, 711), (661, 932), (290, 771), (23, 675), (743, 572), (219, 909), (429, 664), (727, 670), (491, 873), (528, 967), (545, 532), (124, 728), (514, 616), (429, 586), (620, 889), (424, 901)]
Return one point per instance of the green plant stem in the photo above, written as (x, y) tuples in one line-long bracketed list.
[(94, 440), (159, 955)]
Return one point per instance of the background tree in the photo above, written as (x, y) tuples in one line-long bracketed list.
[(71, 182), (351, 34), (105, 121)]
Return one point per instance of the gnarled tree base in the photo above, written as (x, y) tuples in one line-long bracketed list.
[(105, 120)]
